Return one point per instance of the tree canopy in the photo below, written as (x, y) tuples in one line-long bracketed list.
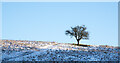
[(79, 32)]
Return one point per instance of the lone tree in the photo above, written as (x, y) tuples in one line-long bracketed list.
[(79, 32)]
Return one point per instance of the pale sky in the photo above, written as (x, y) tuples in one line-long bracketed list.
[(49, 21)]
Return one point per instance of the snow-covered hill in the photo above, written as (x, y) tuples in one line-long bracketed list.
[(18, 50)]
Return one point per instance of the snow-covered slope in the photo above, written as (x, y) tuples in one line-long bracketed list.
[(51, 51)]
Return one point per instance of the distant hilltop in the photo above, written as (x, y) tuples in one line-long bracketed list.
[(21, 41), (51, 42)]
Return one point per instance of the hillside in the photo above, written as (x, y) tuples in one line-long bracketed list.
[(22, 50)]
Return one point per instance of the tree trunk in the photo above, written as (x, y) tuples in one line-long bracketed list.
[(78, 41)]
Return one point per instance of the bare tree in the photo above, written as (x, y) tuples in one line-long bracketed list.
[(79, 32)]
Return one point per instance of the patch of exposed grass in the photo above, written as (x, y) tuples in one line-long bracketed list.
[(84, 45)]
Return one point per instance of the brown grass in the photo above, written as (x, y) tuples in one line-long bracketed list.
[(84, 45)]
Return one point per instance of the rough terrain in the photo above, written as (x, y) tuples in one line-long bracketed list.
[(18, 50)]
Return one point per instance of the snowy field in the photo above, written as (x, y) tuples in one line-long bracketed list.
[(52, 51)]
